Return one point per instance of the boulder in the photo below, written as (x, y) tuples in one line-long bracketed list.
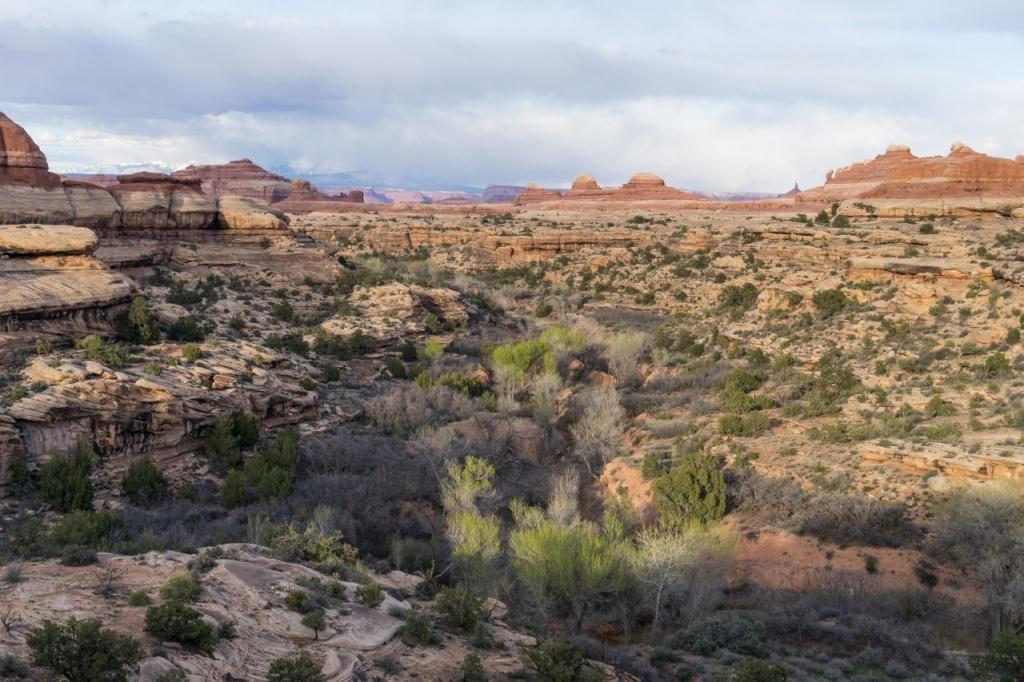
[(46, 240), (244, 213)]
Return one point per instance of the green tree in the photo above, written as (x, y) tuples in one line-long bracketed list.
[(829, 302), (232, 492), (144, 484), (84, 651), (693, 491), (299, 669), (64, 480), (175, 622), (222, 446), (568, 569), (314, 620), (136, 325)]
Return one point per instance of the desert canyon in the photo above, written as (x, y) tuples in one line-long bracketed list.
[(302, 381)]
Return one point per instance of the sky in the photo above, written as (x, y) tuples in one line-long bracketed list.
[(720, 96)]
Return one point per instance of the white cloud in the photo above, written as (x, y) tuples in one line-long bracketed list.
[(730, 95)]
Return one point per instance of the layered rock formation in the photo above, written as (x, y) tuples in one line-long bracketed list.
[(500, 194), (963, 174), (243, 178), (29, 193), (52, 289), (640, 187)]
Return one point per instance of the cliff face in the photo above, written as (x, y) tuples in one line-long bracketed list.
[(640, 187), (241, 178)]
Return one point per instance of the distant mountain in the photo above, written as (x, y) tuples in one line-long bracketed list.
[(736, 196), (359, 179)]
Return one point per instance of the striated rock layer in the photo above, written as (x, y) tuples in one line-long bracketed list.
[(640, 187)]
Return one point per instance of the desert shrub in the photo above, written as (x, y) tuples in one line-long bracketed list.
[(84, 651), (144, 484), (1004, 658), (369, 480), (829, 302), (299, 669), (518, 358), (736, 300), (91, 529), (246, 428), (77, 555), (175, 622), (417, 630), (93, 348), (189, 328), (543, 309), (292, 342), (406, 408), (64, 480), (737, 632), (841, 222), (139, 598), (326, 344), (693, 491), (181, 586), (233, 490), (459, 608), (271, 472), (560, 661), (744, 426), (850, 519), (136, 325), (370, 594), (775, 499), (191, 352), (624, 352), (299, 601), (563, 338), (995, 365), (753, 670), (12, 668), (472, 669), (313, 547)]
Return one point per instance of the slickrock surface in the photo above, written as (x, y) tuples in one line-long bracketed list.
[(242, 213), (248, 587)]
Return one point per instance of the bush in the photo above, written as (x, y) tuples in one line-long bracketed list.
[(93, 348), (139, 598), (84, 651), (189, 328), (299, 601), (233, 491), (136, 325), (744, 426), (738, 634), (299, 669), (181, 586), (736, 300), (849, 519), (1004, 658), (87, 528), (841, 222), (64, 480), (560, 661), (417, 630), (144, 485), (693, 491), (544, 309), (369, 594), (829, 302), (77, 555), (753, 670), (175, 622), (472, 669), (314, 620), (191, 352), (460, 609)]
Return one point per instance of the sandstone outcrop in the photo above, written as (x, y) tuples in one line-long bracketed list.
[(241, 178), (305, 198), (898, 174), (391, 312), (155, 201), (534, 194), (640, 187), (243, 213), (248, 587), (52, 288), (500, 194)]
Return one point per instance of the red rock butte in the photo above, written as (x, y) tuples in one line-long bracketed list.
[(640, 187), (898, 174), (244, 178)]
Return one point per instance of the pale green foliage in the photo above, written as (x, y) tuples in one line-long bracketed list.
[(563, 338), (568, 569), (517, 358), (475, 537), (543, 391), (563, 503), (624, 352)]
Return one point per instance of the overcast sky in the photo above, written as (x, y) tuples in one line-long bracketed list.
[(722, 95)]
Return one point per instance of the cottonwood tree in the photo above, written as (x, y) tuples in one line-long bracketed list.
[(598, 432), (474, 536)]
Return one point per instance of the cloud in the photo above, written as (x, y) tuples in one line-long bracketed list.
[(723, 95)]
